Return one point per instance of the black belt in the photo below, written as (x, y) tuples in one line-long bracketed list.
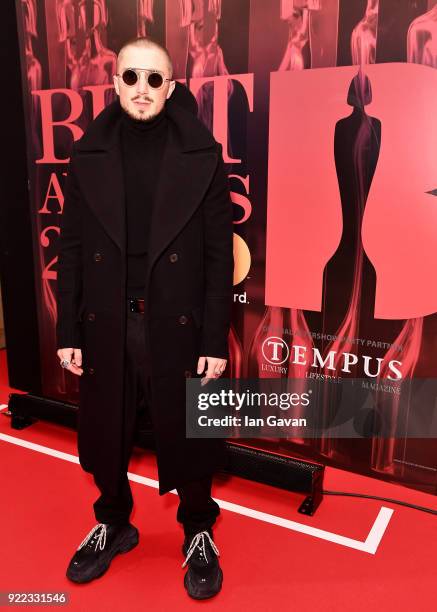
[(136, 305)]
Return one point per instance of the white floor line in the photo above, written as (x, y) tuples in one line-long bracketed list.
[(39, 448), (378, 529), (370, 545)]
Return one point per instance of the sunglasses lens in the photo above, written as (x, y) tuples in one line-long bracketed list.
[(155, 80), (129, 77)]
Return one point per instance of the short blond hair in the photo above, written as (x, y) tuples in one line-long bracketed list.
[(147, 43)]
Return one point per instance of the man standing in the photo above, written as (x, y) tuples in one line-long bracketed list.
[(144, 297)]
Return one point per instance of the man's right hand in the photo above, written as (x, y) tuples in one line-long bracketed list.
[(74, 356)]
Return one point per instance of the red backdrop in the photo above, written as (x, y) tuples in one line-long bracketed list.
[(332, 177)]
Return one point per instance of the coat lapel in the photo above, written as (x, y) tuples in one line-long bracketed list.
[(183, 181), (102, 183), (100, 172)]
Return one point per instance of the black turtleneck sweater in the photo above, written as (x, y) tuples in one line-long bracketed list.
[(143, 144)]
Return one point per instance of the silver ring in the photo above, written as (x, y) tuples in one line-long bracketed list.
[(65, 363)]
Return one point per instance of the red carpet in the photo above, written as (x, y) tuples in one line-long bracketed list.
[(47, 510)]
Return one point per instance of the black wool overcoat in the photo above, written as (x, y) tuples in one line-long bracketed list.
[(188, 280)]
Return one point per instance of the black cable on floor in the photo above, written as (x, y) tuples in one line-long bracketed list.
[(385, 499)]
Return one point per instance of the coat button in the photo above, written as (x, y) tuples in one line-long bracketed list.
[(183, 319), (90, 370), (97, 257), (91, 316), (173, 257), (187, 373)]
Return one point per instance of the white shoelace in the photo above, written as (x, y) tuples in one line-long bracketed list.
[(101, 540), (200, 537)]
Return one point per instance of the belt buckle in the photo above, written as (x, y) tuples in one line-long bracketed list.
[(136, 305)]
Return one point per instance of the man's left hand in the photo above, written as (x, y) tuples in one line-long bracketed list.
[(215, 367)]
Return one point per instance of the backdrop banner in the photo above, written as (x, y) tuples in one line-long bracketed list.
[(326, 113)]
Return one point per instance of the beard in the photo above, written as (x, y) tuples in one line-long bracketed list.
[(138, 115)]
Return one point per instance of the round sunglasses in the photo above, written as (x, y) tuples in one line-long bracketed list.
[(155, 78)]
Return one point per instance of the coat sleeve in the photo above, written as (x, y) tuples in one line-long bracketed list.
[(69, 267), (218, 264)]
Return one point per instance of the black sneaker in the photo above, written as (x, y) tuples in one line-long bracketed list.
[(204, 576), (95, 553)]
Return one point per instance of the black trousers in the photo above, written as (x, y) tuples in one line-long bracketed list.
[(197, 511)]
